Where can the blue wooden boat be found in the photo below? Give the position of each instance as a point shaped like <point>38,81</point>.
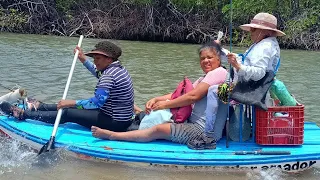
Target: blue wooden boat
<point>79,142</point>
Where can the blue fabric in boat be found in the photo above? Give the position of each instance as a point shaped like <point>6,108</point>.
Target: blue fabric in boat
<point>78,139</point>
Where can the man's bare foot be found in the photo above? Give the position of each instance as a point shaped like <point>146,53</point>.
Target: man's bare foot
<point>32,104</point>
<point>100,133</point>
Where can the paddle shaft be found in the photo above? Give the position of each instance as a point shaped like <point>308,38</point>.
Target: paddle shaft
<point>230,70</point>
<point>58,118</point>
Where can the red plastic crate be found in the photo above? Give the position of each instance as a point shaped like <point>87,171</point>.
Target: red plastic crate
<point>280,125</point>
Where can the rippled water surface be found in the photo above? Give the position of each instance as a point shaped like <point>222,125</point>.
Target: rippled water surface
<point>41,65</point>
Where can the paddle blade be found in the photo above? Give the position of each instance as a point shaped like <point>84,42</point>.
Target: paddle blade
<point>48,146</point>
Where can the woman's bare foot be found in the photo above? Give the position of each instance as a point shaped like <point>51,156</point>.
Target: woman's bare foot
<point>100,133</point>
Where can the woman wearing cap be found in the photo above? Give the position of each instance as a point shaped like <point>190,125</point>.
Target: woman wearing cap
<point>210,63</point>
<point>112,105</point>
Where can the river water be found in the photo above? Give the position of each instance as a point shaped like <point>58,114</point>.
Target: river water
<point>41,65</point>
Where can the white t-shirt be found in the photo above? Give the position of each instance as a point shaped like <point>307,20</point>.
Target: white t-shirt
<point>263,56</point>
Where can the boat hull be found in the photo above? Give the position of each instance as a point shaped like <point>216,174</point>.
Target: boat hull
<point>79,143</point>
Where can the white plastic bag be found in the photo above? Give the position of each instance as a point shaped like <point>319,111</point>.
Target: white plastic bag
<point>156,118</point>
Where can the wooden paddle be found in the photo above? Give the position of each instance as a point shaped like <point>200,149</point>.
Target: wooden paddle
<point>50,144</point>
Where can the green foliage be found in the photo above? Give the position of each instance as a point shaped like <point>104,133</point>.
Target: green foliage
<point>12,19</point>
<point>200,4</point>
<point>303,22</point>
<point>242,11</point>
<point>138,2</point>
<point>64,5</point>
<point>293,16</point>
<point>195,3</point>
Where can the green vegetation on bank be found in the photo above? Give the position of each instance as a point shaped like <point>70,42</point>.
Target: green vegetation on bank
<point>12,19</point>
<point>162,20</point>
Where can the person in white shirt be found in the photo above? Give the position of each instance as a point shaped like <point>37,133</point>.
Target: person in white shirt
<point>264,54</point>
